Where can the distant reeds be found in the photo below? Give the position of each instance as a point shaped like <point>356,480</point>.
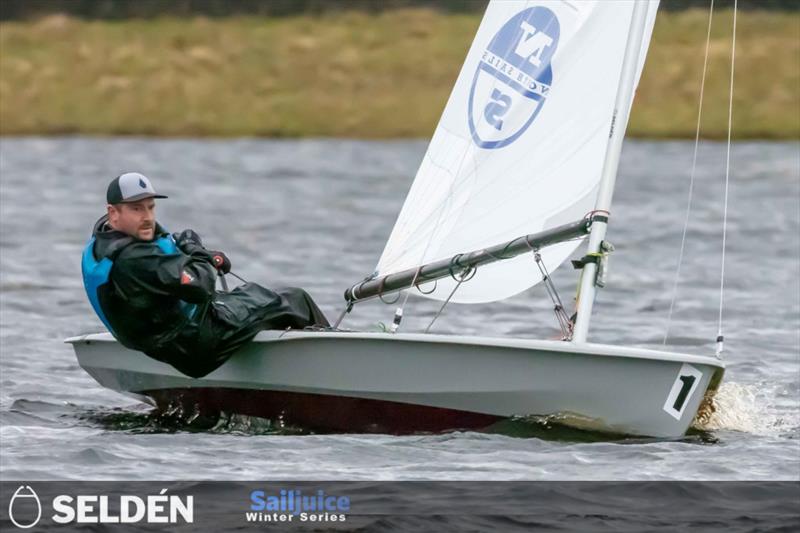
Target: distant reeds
<point>353,74</point>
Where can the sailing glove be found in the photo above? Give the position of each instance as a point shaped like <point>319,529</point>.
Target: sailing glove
<point>188,241</point>
<point>221,262</point>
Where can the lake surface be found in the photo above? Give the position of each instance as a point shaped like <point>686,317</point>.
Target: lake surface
<point>316,213</point>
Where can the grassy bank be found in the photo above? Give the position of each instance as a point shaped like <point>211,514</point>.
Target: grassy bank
<point>352,74</point>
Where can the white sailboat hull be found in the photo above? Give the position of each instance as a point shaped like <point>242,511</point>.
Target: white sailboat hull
<point>401,383</point>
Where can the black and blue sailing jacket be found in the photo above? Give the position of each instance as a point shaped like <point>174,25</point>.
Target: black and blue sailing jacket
<point>145,292</point>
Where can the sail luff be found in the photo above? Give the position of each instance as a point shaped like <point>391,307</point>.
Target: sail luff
<point>619,121</point>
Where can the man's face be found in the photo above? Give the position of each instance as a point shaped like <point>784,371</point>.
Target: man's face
<point>137,219</point>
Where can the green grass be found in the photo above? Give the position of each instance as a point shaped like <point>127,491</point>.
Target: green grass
<point>767,76</point>
<point>352,74</point>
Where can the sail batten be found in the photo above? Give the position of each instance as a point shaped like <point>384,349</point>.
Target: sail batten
<point>520,145</point>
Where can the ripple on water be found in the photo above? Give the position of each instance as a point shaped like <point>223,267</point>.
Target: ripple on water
<point>93,456</point>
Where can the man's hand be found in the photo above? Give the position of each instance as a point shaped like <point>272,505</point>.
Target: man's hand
<point>221,262</point>
<point>188,240</point>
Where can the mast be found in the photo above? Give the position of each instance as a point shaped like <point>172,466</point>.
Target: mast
<point>619,121</point>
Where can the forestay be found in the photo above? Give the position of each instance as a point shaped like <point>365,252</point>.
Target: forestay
<point>520,145</point>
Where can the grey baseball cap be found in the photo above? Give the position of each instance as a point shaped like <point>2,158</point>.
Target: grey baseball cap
<point>130,187</point>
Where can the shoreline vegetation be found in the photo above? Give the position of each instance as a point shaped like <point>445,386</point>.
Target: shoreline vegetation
<point>355,74</point>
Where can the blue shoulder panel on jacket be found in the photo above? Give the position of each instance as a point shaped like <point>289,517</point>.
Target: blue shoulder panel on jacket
<point>95,274</point>
<point>167,244</point>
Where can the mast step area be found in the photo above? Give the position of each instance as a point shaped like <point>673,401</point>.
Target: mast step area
<point>463,263</point>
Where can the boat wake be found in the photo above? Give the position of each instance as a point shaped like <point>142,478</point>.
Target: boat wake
<point>178,419</point>
<point>750,408</point>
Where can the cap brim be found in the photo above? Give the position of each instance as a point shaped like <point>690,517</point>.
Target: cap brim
<point>142,197</point>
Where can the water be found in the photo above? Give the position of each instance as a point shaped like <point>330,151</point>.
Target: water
<point>316,213</point>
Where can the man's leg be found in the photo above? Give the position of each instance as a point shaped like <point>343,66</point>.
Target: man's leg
<point>301,308</point>
<point>240,314</point>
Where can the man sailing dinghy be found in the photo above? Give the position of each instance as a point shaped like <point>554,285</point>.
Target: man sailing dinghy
<point>520,168</point>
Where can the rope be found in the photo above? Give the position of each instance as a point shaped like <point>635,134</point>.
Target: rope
<point>593,212</point>
<point>380,297</point>
<point>235,275</point>
<point>435,286</point>
<point>691,178</point>
<point>398,314</point>
<point>727,182</point>
<point>462,276</point>
<point>460,280</point>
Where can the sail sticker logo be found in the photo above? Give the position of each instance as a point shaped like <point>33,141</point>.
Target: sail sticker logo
<point>513,78</point>
<point>23,506</point>
<point>682,390</point>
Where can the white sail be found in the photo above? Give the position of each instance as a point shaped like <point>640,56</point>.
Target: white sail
<point>520,145</point>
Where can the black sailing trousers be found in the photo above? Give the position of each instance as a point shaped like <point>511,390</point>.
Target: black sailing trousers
<point>233,319</point>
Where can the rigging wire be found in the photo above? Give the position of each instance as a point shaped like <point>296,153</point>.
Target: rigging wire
<point>691,177</point>
<point>720,338</point>
<point>464,276</point>
<point>562,317</point>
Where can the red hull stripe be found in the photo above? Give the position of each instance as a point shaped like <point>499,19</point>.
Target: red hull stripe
<point>321,412</point>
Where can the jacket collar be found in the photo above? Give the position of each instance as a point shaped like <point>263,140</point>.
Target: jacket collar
<point>108,241</point>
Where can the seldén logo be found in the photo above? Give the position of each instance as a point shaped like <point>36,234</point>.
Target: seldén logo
<point>25,509</point>
<point>513,78</point>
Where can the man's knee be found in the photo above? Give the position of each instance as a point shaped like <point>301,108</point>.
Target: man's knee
<point>292,291</point>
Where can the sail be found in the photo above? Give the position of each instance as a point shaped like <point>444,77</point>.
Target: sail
<point>520,145</point>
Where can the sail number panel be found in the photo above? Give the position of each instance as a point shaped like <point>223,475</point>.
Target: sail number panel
<point>682,390</point>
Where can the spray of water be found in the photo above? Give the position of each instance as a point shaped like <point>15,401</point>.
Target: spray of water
<point>749,408</point>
